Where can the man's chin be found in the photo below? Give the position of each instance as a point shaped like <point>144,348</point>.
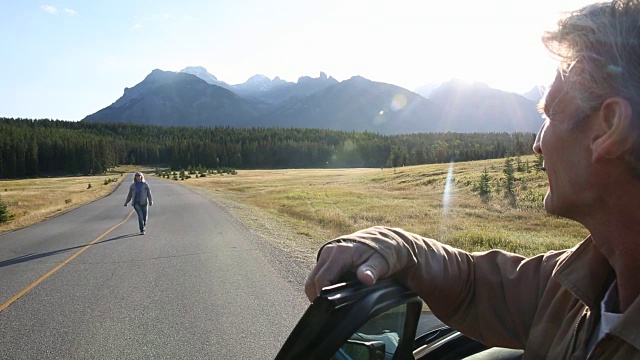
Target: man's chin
<point>548,204</point>
<point>558,209</point>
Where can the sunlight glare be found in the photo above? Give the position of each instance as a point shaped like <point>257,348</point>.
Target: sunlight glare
<point>446,199</point>
<point>448,189</point>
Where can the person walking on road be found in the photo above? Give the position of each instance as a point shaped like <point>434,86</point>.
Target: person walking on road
<point>140,193</point>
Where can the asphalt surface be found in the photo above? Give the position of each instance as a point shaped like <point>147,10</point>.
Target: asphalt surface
<point>198,285</point>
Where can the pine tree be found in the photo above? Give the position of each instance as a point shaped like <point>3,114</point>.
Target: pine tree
<point>519,165</point>
<point>484,188</point>
<point>510,178</point>
<point>391,160</point>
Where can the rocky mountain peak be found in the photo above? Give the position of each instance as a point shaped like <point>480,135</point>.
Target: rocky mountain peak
<point>200,72</point>
<point>193,97</point>
<point>322,78</point>
<point>203,74</point>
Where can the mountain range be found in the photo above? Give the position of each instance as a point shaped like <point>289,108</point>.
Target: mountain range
<point>194,97</point>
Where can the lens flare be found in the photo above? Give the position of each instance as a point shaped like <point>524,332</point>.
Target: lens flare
<point>446,199</point>
<point>448,189</point>
<point>398,102</point>
<point>380,118</point>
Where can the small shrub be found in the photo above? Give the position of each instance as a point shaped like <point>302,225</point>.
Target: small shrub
<point>5,215</point>
<point>68,201</point>
<point>538,163</point>
<point>531,200</point>
<point>89,186</point>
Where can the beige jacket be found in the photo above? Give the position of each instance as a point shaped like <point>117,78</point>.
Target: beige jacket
<point>548,305</point>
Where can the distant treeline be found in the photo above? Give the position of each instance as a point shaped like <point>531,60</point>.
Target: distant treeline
<point>31,148</point>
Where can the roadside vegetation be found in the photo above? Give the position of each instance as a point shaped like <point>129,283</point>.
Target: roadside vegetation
<point>193,171</point>
<point>476,206</point>
<point>28,201</point>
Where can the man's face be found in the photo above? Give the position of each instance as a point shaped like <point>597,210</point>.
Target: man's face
<point>563,140</point>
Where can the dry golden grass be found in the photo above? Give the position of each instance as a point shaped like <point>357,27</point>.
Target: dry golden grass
<point>316,205</point>
<point>33,200</point>
<point>320,204</point>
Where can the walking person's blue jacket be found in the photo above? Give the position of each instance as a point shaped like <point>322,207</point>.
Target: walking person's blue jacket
<point>145,195</point>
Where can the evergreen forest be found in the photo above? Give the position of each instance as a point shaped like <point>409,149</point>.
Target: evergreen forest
<point>32,148</point>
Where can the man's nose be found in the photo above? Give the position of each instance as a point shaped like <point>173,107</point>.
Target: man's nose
<point>536,144</point>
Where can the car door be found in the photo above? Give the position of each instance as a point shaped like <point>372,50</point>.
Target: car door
<point>350,318</point>
<point>351,321</point>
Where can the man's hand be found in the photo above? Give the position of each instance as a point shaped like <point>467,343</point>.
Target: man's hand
<point>340,257</point>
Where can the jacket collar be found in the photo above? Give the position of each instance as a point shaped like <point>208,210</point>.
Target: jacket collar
<point>588,275</point>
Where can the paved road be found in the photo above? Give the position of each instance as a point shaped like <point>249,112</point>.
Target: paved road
<point>197,285</point>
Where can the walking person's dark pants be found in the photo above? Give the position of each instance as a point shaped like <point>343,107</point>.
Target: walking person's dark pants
<point>141,210</point>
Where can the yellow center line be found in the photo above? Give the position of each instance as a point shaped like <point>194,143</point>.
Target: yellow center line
<point>52,271</point>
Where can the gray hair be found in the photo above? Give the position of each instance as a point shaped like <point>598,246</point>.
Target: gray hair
<point>603,41</point>
<point>141,176</point>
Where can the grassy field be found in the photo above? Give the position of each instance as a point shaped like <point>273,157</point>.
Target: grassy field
<point>302,209</point>
<point>33,200</point>
<point>320,204</point>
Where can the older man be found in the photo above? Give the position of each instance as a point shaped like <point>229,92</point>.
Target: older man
<point>577,303</point>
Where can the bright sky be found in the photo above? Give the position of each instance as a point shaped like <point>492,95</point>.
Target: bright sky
<point>66,59</point>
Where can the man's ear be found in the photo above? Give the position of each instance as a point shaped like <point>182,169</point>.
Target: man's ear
<point>615,134</point>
